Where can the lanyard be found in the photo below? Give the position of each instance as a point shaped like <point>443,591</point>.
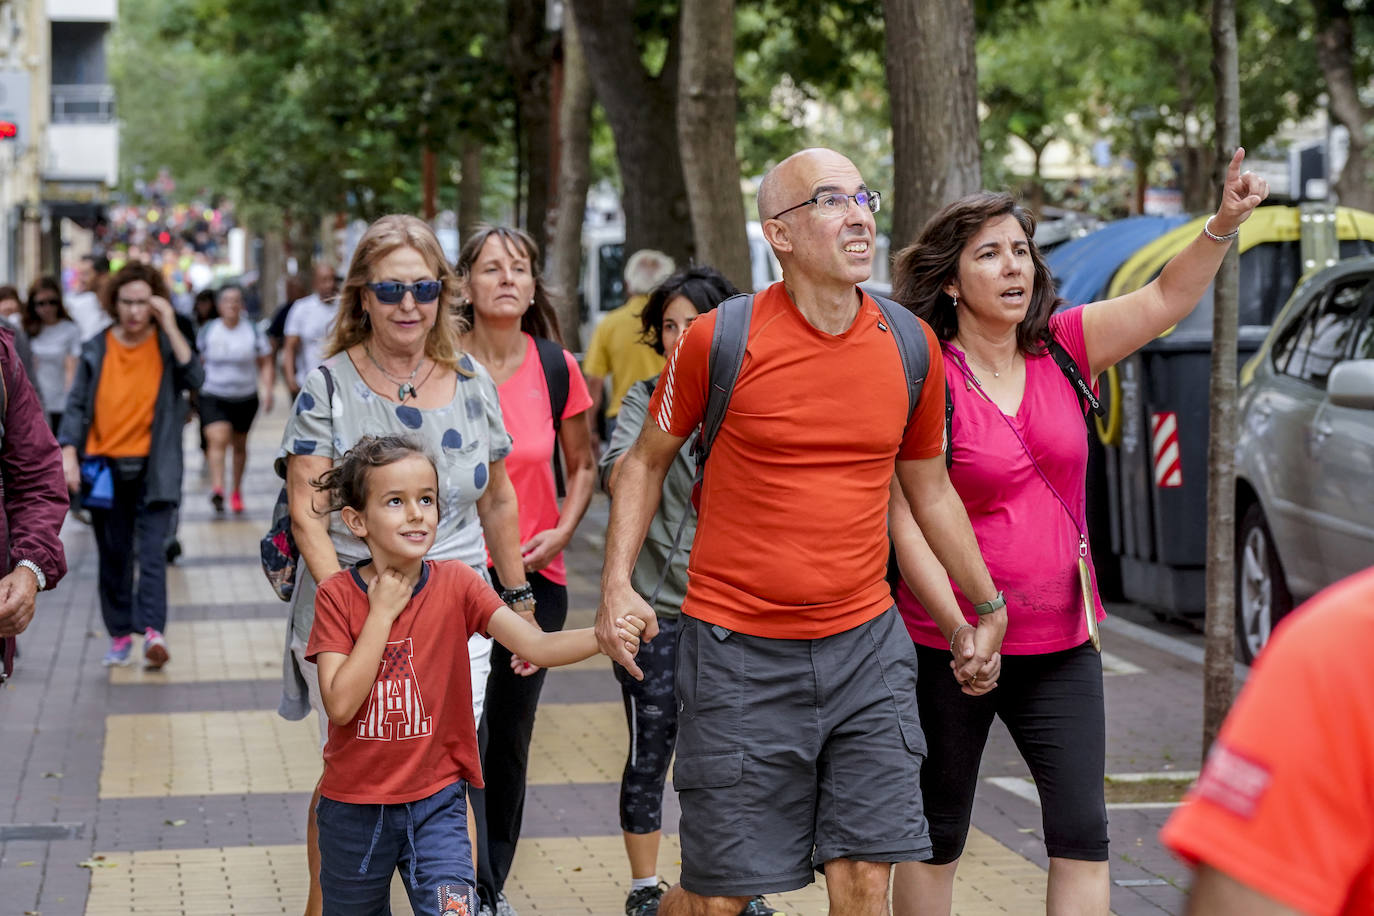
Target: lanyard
<point>968,374</point>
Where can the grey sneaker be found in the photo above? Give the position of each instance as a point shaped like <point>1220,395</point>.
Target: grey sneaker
<point>759,907</point>
<point>503,907</point>
<point>644,901</point>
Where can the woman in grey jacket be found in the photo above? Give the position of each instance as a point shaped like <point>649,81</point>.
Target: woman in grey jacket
<point>122,428</point>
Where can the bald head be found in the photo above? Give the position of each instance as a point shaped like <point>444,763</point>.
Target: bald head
<point>789,182</point>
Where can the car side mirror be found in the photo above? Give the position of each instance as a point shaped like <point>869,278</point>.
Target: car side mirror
<point>1351,384</point>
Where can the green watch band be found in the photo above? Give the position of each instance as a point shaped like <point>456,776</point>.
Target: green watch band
<point>989,607</point>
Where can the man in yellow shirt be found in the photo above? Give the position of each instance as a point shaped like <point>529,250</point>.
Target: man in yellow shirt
<point>616,349</point>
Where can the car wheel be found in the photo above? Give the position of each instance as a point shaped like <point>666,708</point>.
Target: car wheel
<point>1262,596</point>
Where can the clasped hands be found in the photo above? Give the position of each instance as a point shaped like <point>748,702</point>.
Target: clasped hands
<point>977,661</point>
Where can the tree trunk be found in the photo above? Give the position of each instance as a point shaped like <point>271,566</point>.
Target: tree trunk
<point>270,270</point>
<point>574,175</point>
<point>470,188</point>
<point>706,114</point>
<point>642,111</point>
<point>1335,54</point>
<point>429,184</point>
<point>1219,660</point>
<point>932,84</point>
<point>531,63</point>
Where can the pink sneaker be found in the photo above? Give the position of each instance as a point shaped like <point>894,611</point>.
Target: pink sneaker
<point>236,502</point>
<point>155,653</point>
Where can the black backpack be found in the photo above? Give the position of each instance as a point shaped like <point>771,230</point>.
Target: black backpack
<point>731,335</point>
<point>728,342</point>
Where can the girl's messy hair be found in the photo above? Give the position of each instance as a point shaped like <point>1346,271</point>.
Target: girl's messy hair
<point>345,484</point>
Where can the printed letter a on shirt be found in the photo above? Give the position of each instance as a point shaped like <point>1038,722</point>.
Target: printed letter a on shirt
<point>396,702</point>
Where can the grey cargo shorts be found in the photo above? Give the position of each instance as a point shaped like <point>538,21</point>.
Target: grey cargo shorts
<point>794,752</point>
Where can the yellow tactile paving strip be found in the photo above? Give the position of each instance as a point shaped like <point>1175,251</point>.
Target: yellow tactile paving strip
<point>215,650</point>
<point>551,877</point>
<point>578,743</point>
<point>242,880</point>
<point>208,753</point>
<point>230,584</point>
<point>227,537</point>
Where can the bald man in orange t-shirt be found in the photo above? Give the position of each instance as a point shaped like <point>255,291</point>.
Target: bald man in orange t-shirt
<point>799,743</point>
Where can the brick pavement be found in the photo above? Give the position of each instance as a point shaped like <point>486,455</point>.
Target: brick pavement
<point>194,792</point>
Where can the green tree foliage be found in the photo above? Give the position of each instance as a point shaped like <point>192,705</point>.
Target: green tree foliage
<point>1138,72</point>
<point>309,108</point>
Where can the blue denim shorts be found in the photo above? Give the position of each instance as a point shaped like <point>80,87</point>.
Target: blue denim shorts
<point>425,840</point>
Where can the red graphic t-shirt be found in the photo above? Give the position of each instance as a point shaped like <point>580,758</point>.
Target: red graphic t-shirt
<point>414,734</point>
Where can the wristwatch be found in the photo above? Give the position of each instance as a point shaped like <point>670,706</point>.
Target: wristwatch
<point>37,572</point>
<point>982,609</point>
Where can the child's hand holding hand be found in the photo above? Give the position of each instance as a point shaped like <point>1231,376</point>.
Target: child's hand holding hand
<point>389,594</point>
<point>627,630</point>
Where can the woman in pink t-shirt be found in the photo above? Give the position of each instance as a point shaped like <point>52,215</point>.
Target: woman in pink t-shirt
<point>509,307</point>
<point>1019,460</point>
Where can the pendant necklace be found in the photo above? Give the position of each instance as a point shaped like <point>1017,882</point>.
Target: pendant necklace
<point>406,386</point>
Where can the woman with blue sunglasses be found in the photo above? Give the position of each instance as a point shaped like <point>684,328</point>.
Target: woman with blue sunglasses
<point>393,367</point>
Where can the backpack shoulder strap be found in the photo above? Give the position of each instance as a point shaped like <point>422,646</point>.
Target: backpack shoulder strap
<point>555,377</point>
<point>556,380</point>
<point>728,342</point>
<point>911,344</point>
<point>1066,365</point>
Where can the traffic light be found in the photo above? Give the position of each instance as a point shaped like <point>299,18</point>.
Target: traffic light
<point>8,130</point>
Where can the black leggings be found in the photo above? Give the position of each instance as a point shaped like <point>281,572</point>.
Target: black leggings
<point>651,713</point>
<point>1052,705</point>
<point>506,729</point>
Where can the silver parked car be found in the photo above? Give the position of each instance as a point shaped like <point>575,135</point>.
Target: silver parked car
<point>1305,462</point>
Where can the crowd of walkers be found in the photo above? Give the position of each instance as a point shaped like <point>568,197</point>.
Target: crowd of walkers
<point>885,551</point>
<point>816,719</point>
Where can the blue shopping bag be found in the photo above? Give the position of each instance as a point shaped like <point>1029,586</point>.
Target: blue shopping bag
<point>97,484</point>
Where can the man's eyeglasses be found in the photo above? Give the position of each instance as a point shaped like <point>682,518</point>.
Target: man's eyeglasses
<point>836,204</point>
<point>390,292</point>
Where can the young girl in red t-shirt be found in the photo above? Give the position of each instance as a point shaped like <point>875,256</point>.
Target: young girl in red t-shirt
<point>390,638</point>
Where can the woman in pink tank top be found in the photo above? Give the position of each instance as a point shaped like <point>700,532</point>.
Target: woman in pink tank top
<point>1018,459</point>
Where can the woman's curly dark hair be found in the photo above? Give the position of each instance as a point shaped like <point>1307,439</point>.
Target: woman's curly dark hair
<point>345,484</point>
<point>923,268</point>
<point>703,286</point>
<point>131,273</point>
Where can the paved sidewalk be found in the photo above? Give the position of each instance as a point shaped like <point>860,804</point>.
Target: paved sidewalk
<point>182,792</point>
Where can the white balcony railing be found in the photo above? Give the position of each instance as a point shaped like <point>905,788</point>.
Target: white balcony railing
<point>91,103</point>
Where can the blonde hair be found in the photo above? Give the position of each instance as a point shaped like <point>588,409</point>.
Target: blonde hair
<point>385,235</point>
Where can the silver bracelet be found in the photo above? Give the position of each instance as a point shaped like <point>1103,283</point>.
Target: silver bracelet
<point>1229,237</point>
<point>955,635</point>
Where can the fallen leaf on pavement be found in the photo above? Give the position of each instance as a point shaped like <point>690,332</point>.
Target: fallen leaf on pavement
<point>179,822</point>
<point>95,862</point>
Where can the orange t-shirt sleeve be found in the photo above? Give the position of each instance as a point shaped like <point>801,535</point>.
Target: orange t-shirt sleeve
<point>330,632</point>
<point>679,401</point>
<point>1284,804</point>
<point>479,600</point>
<point>925,433</point>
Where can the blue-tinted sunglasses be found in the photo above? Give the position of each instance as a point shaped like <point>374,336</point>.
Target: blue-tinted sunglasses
<point>391,292</point>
